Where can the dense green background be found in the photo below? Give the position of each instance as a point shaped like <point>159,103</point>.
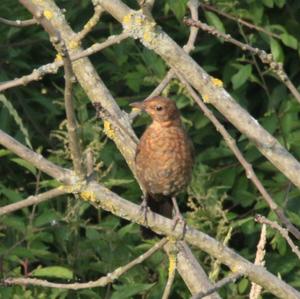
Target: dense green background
<point>86,243</point>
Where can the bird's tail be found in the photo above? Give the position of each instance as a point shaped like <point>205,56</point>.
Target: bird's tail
<point>162,206</point>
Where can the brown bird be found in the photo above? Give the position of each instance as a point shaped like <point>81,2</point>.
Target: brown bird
<point>164,157</point>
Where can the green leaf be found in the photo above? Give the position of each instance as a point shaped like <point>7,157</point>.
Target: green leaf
<point>289,40</point>
<point>178,8</point>
<point>243,285</point>
<point>127,291</point>
<point>24,164</point>
<point>4,152</point>
<point>241,76</point>
<point>54,271</point>
<point>46,218</point>
<point>14,113</point>
<point>118,182</point>
<point>214,20</point>
<point>276,50</point>
<point>268,3</point>
<point>280,3</point>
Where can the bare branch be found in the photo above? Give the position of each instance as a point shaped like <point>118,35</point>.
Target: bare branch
<point>72,125</point>
<point>18,23</point>
<point>89,162</point>
<point>229,279</point>
<point>52,68</point>
<point>188,265</point>
<point>101,282</point>
<point>283,232</point>
<point>259,260</point>
<point>172,254</point>
<point>88,27</point>
<point>275,67</point>
<point>239,20</point>
<point>32,200</point>
<point>193,6</point>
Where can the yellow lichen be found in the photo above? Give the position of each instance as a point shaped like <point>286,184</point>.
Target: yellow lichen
<point>217,82</point>
<point>48,14</point>
<point>73,44</point>
<point>172,263</point>
<point>138,20</point>
<point>108,130</point>
<point>134,109</point>
<point>88,196</point>
<point>58,57</point>
<point>127,19</point>
<point>205,98</point>
<point>147,36</point>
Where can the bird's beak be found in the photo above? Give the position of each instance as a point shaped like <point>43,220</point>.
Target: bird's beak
<point>138,105</point>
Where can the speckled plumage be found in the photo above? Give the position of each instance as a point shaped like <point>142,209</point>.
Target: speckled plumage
<point>164,156</point>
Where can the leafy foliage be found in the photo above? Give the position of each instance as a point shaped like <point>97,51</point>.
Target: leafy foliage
<point>67,240</point>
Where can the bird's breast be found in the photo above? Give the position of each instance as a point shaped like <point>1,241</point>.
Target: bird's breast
<point>164,160</point>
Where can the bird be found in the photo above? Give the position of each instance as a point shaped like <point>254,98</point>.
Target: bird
<point>163,159</point>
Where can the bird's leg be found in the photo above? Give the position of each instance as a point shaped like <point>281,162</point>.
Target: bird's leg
<point>178,217</point>
<point>144,208</point>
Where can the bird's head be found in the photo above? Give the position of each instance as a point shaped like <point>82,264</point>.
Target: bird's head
<point>160,109</point>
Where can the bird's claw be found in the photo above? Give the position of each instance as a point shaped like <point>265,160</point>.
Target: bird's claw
<point>178,219</point>
<point>144,210</point>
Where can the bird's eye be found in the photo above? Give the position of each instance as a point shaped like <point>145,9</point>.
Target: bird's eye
<point>158,108</point>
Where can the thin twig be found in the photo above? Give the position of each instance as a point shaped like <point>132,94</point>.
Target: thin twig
<point>72,125</point>
<point>172,254</point>
<point>89,162</point>
<point>239,20</point>
<point>247,166</point>
<point>18,23</point>
<point>275,67</point>
<point>221,283</point>
<point>92,22</point>
<point>284,232</point>
<point>259,260</point>
<point>101,282</point>
<point>32,200</point>
<point>52,68</point>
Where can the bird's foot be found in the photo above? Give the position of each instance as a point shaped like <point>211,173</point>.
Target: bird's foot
<point>178,218</point>
<point>144,209</point>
